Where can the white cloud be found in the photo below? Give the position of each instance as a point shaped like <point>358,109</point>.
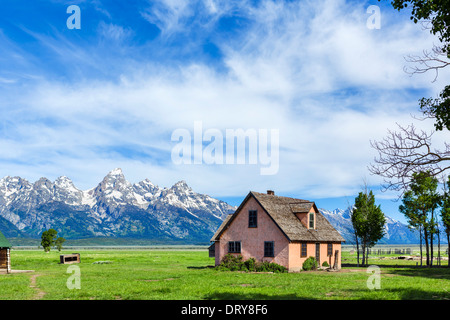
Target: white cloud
<point>168,15</point>
<point>312,70</point>
<point>114,32</point>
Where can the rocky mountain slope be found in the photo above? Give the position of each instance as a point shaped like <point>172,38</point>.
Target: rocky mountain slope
<point>114,208</point>
<point>395,231</point>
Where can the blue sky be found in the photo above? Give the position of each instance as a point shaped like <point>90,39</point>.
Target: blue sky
<point>81,102</point>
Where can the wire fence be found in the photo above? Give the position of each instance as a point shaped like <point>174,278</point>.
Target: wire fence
<point>379,252</point>
<point>392,250</point>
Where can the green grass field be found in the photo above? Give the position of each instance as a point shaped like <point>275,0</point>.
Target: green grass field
<point>187,275</point>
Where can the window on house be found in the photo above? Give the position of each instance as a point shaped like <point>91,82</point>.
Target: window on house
<point>234,247</point>
<point>269,249</point>
<point>311,220</point>
<point>330,249</point>
<point>252,218</point>
<point>303,250</point>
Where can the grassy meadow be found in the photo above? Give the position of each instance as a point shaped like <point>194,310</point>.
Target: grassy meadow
<point>188,275</point>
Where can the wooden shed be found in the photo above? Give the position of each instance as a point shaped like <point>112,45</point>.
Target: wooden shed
<point>69,258</point>
<point>5,247</point>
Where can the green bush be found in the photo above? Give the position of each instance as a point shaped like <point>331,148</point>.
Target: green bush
<point>273,267</point>
<point>235,263</point>
<point>310,264</point>
<point>325,264</point>
<point>231,262</point>
<point>269,267</point>
<point>250,264</point>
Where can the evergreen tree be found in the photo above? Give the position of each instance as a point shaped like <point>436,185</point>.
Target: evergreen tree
<point>419,204</point>
<point>445,213</point>
<point>59,243</point>
<point>368,222</point>
<point>48,239</point>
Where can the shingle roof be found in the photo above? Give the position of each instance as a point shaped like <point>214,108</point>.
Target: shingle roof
<point>4,243</point>
<point>282,211</point>
<point>222,226</point>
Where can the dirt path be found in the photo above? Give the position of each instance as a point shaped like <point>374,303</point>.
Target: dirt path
<point>39,293</point>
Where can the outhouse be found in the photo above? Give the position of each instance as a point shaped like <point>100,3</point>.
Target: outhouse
<point>5,259</point>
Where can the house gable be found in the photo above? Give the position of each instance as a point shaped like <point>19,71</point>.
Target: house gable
<point>252,240</point>
<point>287,215</point>
<point>243,209</point>
<point>282,210</point>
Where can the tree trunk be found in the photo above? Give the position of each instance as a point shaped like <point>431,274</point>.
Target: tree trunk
<point>431,244</point>
<point>431,249</point>
<point>357,250</point>
<point>367,257</point>
<point>427,248</point>
<point>448,247</point>
<point>439,249</point>
<point>421,243</point>
<point>363,255</point>
<point>364,248</point>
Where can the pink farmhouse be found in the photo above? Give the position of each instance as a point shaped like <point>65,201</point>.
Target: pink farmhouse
<point>278,229</point>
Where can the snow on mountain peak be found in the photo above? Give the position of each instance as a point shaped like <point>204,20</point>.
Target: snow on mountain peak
<point>111,199</point>
<point>181,184</point>
<point>64,182</point>
<point>12,182</point>
<point>115,172</point>
<point>114,180</point>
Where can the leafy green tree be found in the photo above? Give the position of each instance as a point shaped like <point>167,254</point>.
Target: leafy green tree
<point>48,239</point>
<point>436,12</point>
<point>354,219</point>
<point>414,217</point>
<point>436,16</point>
<point>438,108</point>
<point>59,243</point>
<point>406,151</point>
<point>368,222</point>
<point>445,213</point>
<point>419,204</point>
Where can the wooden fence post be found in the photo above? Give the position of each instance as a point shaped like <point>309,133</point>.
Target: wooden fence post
<point>336,258</point>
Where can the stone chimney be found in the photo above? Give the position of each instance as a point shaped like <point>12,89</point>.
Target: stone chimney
<point>271,192</point>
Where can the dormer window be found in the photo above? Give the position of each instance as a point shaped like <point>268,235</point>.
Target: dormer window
<point>311,220</point>
<point>252,219</point>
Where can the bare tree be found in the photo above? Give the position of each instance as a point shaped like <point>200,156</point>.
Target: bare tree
<point>403,152</point>
<point>433,60</point>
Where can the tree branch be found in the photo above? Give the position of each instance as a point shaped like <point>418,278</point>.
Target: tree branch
<point>402,153</point>
<point>435,59</point>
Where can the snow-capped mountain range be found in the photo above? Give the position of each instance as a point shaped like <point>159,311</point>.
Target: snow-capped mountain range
<point>114,208</point>
<point>395,231</point>
<point>117,208</point>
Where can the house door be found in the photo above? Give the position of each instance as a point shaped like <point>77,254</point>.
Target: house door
<point>318,253</point>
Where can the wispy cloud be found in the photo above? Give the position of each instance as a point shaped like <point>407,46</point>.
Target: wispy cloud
<point>310,69</point>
